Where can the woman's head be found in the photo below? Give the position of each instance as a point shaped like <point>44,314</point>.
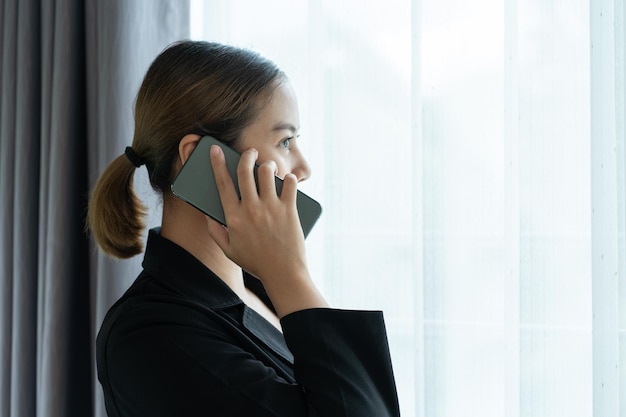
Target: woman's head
<point>197,87</point>
<point>191,87</point>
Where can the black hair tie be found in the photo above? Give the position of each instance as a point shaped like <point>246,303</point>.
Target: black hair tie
<point>133,157</point>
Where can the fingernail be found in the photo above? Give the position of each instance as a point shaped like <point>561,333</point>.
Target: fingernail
<point>215,150</point>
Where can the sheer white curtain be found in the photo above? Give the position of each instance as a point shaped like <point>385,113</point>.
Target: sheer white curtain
<point>469,155</point>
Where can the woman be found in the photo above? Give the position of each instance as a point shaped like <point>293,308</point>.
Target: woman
<point>194,334</point>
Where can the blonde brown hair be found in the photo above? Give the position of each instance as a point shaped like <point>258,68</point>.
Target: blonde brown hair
<point>191,87</point>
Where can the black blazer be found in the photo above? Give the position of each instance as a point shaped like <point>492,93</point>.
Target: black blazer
<point>181,343</point>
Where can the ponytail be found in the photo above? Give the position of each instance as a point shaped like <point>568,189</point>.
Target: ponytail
<point>115,214</point>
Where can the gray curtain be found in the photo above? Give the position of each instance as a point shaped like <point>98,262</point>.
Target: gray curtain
<point>69,73</point>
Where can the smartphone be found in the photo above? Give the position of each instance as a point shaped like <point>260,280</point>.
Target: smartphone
<point>195,184</point>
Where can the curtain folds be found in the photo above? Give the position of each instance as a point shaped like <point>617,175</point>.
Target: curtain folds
<point>122,40</point>
<point>470,159</point>
<point>608,214</point>
<point>43,247</point>
<point>69,73</point>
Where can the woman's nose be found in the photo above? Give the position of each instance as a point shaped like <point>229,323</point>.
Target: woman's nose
<point>302,169</point>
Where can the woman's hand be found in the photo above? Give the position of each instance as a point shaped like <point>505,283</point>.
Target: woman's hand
<point>263,233</point>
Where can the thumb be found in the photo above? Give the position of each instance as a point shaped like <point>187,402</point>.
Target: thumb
<point>219,233</point>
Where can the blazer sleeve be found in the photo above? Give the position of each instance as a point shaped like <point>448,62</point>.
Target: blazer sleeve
<point>182,367</point>
<point>341,359</point>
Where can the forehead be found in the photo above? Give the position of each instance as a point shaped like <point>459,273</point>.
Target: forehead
<point>280,109</point>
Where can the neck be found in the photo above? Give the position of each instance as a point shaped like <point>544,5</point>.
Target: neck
<point>188,228</point>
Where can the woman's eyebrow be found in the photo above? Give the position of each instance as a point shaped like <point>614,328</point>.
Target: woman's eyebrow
<point>285,126</point>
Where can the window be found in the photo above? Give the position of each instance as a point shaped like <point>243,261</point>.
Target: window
<point>470,159</point>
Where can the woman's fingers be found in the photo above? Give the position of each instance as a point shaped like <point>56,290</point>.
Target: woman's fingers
<point>290,189</point>
<point>223,180</point>
<point>245,175</point>
<point>267,182</point>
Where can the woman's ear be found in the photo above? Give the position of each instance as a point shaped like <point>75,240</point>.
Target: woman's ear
<point>186,146</point>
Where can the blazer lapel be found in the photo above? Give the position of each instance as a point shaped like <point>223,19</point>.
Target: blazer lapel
<point>266,334</point>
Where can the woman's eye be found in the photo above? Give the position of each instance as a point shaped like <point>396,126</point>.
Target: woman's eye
<point>285,143</point>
